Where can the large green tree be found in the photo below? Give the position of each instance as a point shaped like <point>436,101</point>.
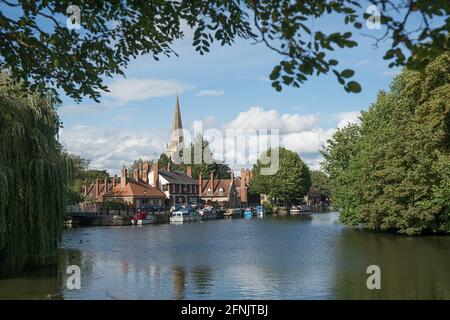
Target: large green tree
<point>393,171</point>
<point>33,179</point>
<point>41,51</point>
<point>289,184</point>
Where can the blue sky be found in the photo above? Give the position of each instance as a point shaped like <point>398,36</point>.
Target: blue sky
<point>225,88</point>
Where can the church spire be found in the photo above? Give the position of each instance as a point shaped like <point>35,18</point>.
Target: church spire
<point>177,124</point>
<point>176,142</point>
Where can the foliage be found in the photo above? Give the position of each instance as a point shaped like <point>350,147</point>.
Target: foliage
<point>204,165</point>
<point>320,181</point>
<point>137,164</point>
<point>393,171</point>
<point>289,185</point>
<point>80,174</point>
<point>41,51</point>
<point>33,178</point>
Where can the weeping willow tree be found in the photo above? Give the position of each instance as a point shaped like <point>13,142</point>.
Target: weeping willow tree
<point>33,178</point>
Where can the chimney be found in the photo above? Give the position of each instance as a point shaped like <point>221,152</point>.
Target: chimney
<point>200,184</point>
<point>146,171</point>
<point>105,189</point>
<point>136,174</point>
<point>189,171</point>
<point>123,177</point>
<point>114,181</point>
<point>97,188</point>
<point>212,181</point>
<point>156,175</point>
<point>85,187</point>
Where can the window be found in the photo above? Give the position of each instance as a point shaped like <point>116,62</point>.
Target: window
<point>165,187</point>
<point>221,191</point>
<point>209,192</point>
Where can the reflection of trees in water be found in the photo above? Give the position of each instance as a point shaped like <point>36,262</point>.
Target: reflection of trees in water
<point>411,268</point>
<point>43,283</point>
<point>202,277</point>
<point>179,281</point>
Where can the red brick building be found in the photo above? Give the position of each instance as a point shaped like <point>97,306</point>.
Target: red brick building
<point>219,192</point>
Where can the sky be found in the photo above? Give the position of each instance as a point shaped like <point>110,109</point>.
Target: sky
<point>226,88</point>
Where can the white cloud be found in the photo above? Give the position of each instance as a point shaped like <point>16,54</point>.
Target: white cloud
<point>346,118</point>
<point>137,89</point>
<point>218,92</point>
<point>109,148</point>
<point>257,118</point>
<point>306,141</point>
<point>83,109</point>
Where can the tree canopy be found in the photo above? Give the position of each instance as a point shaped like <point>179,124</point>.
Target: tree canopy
<point>392,172</point>
<point>207,163</point>
<point>33,179</point>
<point>319,180</point>
<point>42,52</point>
<point>289,184</point>
<point>80,174</point>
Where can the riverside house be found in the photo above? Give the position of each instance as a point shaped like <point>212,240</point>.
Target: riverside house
<point>136,192</point>
<point>178,187</point>
<point>219,192</point>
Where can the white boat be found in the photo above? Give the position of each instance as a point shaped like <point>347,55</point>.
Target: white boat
<point>304,208</point>
<point>208,213</point>
<point>142,218</point>
<point>300,209</point>
<point>260,211</point>
<point>184,215</point>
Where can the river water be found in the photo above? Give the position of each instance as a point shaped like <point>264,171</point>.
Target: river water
<point>268,258</point>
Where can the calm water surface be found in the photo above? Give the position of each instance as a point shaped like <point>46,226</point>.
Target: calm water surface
<point>269,258</point>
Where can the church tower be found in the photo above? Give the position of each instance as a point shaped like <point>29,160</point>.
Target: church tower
<point>176,142</point>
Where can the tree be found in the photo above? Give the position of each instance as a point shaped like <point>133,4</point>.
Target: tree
<point>33,179</point>
<point>289,185</point>
<point>137,164</point>
<point>395,174</point>
<point>207,163</point>
<point>319,180</point>
<point>80,174</point>
<point>41,51</point>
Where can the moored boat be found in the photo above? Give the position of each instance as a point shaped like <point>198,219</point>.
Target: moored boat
<point>248,213</point>
<point>184,215</point>
<point>141,218</point>
<point>260,211</point>
<point>208,213</point>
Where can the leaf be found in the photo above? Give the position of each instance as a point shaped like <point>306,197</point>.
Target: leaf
<point>347,73</point>
<point>354,87</point>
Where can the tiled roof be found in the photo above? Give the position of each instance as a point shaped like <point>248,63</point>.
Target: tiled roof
<point>135,188</point>
<point>224,184</point>
<point>177,177</point>
<point>101,188</point>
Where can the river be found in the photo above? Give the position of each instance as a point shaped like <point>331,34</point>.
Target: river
<point>268,258</point>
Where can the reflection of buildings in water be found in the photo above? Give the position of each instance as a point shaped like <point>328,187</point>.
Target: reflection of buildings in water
<point>202,277</point>
<point>179,281</point>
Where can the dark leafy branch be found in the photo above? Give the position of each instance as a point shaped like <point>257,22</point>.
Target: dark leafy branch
<point>41,52</point>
